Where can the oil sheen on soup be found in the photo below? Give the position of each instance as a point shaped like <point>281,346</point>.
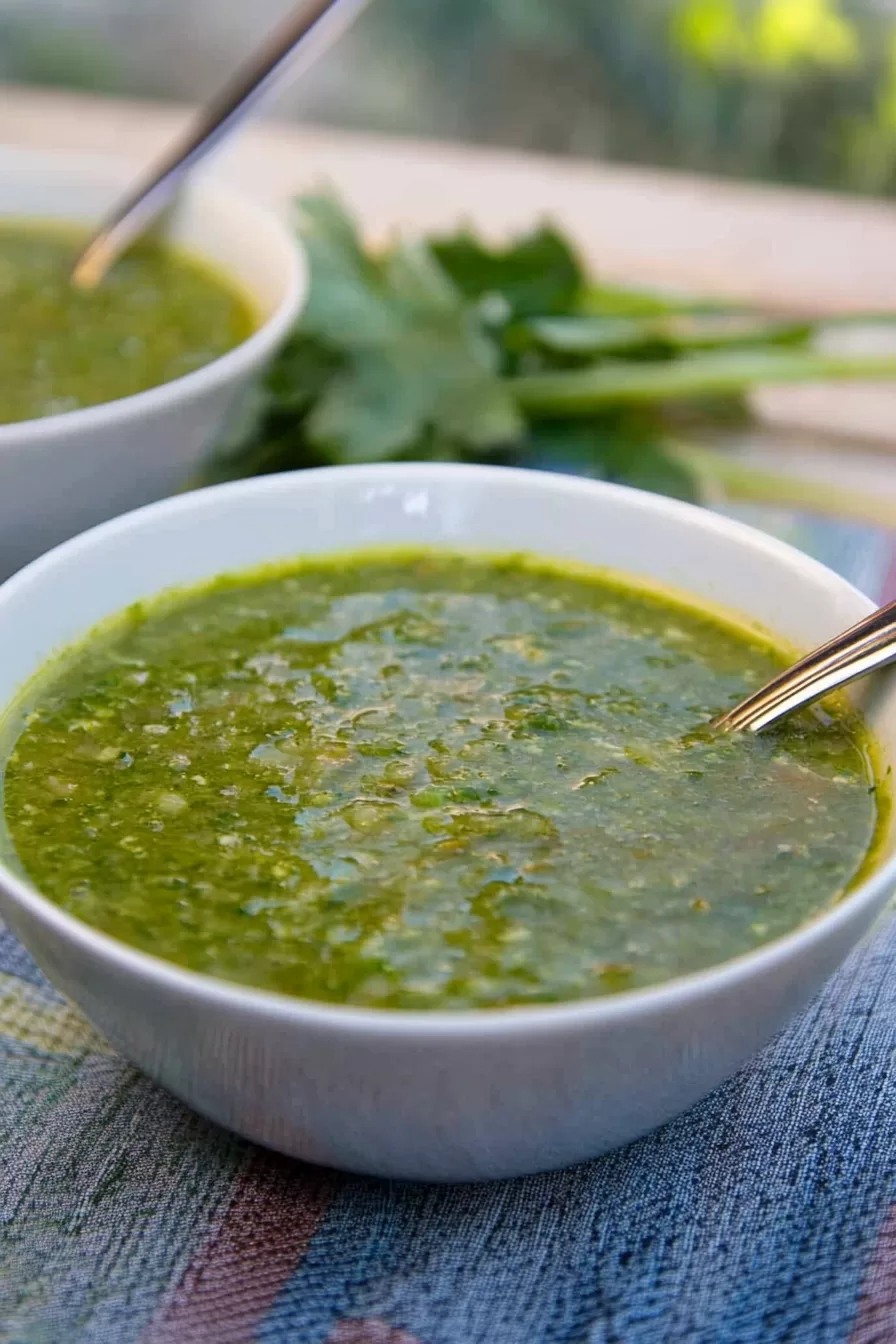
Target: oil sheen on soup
<point>431,781</point>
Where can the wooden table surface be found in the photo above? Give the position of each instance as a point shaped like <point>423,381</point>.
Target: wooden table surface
<point>778,248</point>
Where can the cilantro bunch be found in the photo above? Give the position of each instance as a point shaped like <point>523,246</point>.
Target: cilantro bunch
<point>448,350</point>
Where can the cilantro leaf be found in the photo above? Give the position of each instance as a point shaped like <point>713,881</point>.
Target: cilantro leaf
<point>346,306</point>
<point>455,351</point>
<point>415,359</point>
<point>624,452</point>
<point>648,465</point>
<point>538,276</point>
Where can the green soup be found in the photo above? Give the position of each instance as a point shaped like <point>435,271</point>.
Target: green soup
<point>156,316</point>
<point>429,781</point>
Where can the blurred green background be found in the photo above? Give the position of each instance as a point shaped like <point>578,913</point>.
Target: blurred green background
<point>799,91</point>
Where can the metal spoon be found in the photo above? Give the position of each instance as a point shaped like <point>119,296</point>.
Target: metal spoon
<point>857,651</point>
<point>307,33</point>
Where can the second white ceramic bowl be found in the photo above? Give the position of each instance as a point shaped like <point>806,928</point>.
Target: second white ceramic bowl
<point>441,1096</point>
<point>63,473</point>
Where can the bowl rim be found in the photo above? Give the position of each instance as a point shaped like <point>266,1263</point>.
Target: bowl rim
<point>225,368</point>
<point>463,1022</point>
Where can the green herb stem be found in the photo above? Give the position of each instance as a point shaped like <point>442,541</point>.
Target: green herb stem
<point>718,470</point>
<point>580,392</point>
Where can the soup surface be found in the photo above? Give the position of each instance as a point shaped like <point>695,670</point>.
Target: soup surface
<point>427,781</point>
<point>156,316</point>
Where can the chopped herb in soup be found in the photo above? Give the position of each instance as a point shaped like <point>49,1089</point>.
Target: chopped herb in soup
<point>431,781</point>
<point>157,316</point>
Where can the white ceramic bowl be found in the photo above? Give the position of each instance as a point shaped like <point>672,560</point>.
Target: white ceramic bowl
<point>66,472</point>
<point>435,1095</point>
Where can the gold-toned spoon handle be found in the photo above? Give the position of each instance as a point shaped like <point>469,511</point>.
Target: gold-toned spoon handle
<point>301,38</point>
<point>865,647</point>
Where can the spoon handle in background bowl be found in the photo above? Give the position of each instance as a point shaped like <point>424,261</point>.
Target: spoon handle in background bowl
<point>863,648</point>
<point>302,38</point>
